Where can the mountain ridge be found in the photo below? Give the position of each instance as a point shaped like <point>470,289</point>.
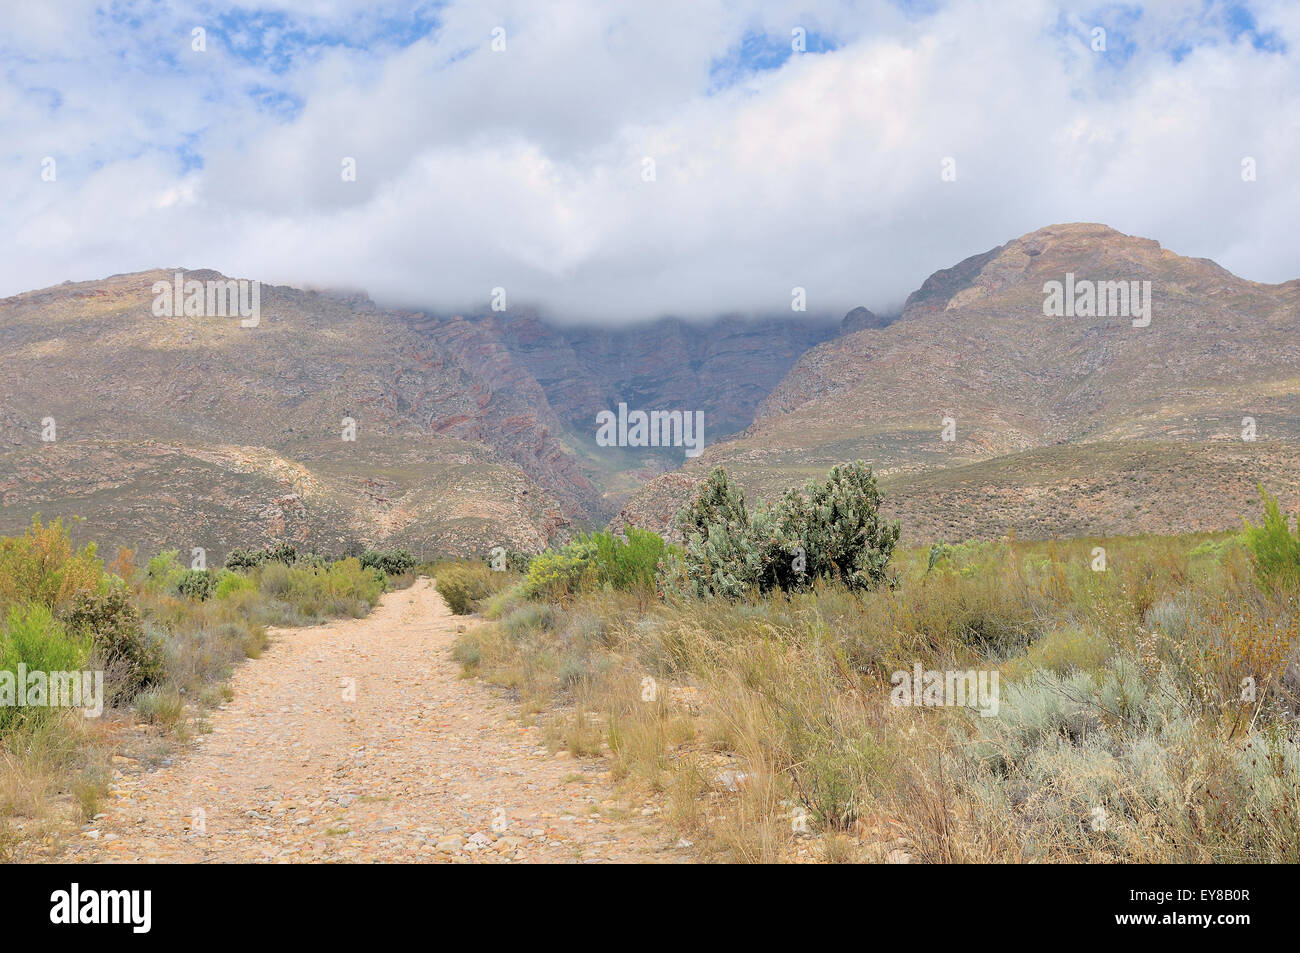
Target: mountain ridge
<point>135,395</point>
<point>478,430</point>
<point>973,346</point>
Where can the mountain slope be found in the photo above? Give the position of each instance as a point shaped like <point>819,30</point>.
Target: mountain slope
<point>470,432</point>
<point>974,347</point>
<point>723,368</point>
<point>195,431</point>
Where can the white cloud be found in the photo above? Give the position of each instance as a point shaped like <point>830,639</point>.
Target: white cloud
<point>524,168</point>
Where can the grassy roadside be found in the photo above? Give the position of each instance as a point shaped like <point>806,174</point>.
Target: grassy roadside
<point>1146,710</point>
<point>166,640</point>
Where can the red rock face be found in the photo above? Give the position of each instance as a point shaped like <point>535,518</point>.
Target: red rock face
<point>566,375</point>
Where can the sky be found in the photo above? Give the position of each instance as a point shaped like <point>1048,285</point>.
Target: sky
<point>606,162</point>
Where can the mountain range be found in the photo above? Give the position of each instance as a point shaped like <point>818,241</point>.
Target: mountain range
<point>467,431</point>
<point>981,413</point>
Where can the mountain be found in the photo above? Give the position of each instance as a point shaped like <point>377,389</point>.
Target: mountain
<point>470,432</point>
<point>723,368</point>
<point>477,430</point>
<point>860,319</point>
<point>1062,425</point>
<point>196,431</point>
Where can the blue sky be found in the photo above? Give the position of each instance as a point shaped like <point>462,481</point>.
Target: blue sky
<point>523,165</point>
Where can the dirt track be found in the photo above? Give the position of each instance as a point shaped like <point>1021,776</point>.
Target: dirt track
<point>416,765</point>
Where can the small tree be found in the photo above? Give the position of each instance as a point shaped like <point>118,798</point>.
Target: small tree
<point>196,584</point>
<point>831,530</point>
<point>723,548</point>
<point>134,659</point>
<point>242,560</point>
<point>844,534</point>
<point>785,551</point>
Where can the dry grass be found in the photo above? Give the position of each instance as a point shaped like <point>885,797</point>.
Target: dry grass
<point>770,733</point>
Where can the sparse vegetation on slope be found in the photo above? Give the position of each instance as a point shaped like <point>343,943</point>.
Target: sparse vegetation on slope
<point>979,413</point>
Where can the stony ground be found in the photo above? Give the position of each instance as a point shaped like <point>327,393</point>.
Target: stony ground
<point>358,741</point>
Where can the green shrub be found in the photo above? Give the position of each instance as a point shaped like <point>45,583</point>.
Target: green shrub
<point>939,552</point>
<point>725,551</point>
<point>629,562</point>
<point>161,707</point>
<point>284,553</point>
<point>393,562</point>
<point>164,570</point>
<point>501,559</point>
<point>311,561</point>
<point>528,619</point>
<point>196,584</point>
<point>463,585</point>
<point>233,582</point>
<point>602,559</point>
<point>838,527</point>
<point>830,530</point>
<point>1215,549</point>
<point>1275,548</point>
<point>342,588</point>
<point>242,560</point>
<point>274,579</point>
<point>133,660</point>
<point>33,637</point>
<point>559,572</point>
<point>832,773</point>
<point>468,651</point>
<point>503,600</point>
